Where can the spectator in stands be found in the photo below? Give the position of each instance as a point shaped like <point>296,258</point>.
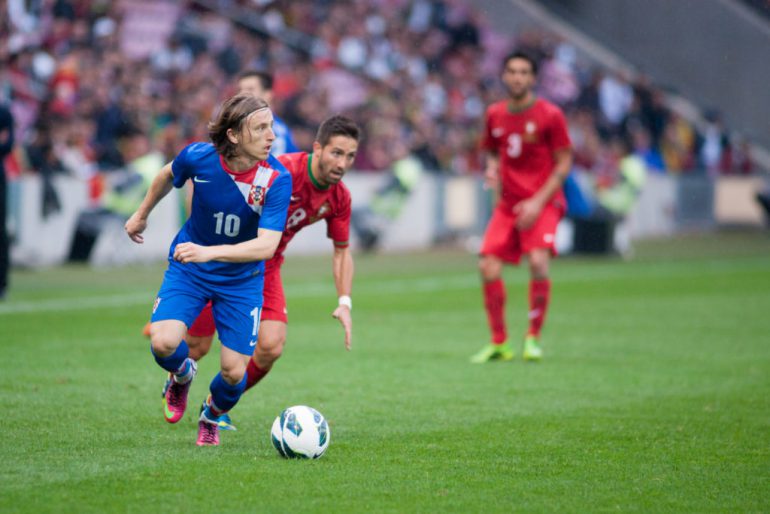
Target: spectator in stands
<point>41,157</point>
<point>615,99</point>
<point>642,147</point>
<point>714,146</point>
<point>677,144</point>
<point>420,70</point>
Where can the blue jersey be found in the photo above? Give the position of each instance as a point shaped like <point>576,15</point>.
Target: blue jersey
<point>283,142</point>
<point>228,207</point>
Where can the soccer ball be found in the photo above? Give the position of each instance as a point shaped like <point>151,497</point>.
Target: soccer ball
<point>300,432</point>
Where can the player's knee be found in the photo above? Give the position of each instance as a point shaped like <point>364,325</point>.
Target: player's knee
<point>538,264</point>
<point>272,350</point>
<point>233,374</point>
<point>489,268</point>
<point>163,343</point>
<point>539,272</point>
<point>199,346</point>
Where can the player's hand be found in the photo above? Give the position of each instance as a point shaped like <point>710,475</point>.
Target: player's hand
<point>135,226</point>
<point>491,178</point>
<point>527,211</point>
<point>190,252</point>
<point>342,313</point>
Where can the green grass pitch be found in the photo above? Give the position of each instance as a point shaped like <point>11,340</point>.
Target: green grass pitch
<point>654,395</point>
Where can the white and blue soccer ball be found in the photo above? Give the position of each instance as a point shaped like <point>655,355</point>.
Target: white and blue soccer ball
<point>300,432</point>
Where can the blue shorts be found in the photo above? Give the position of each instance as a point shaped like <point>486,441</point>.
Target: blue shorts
<point>236,306</point>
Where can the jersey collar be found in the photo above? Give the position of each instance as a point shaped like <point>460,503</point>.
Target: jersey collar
<point>523,108</point>
<point>310,174</point>
<point>244,172</point>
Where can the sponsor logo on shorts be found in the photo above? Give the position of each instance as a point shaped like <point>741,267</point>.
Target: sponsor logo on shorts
<point>252,343</point>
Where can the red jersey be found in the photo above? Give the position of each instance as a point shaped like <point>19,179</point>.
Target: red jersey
<point>310,203</point>
<point>525,141</point>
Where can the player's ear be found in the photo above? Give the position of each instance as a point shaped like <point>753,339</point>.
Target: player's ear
<point>316,147</point>
<point>232,136</point>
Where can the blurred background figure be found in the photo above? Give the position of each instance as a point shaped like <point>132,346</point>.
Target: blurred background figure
<point>122,195</point>
<point>370,221</point>
<point>6,144</point>
<point>260,84</point>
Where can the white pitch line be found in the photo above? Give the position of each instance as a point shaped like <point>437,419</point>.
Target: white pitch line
<point>431,284</point>
<point>307,290</point>
<point>76,303</point>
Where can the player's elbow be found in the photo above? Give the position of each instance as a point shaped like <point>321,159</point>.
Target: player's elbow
<point>269,254</point>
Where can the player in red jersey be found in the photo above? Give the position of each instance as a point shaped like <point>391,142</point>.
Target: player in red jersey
<point>528,157</point>
<point>317,193</point>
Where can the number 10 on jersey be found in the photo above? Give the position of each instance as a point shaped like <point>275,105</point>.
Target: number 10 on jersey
<point>230,223</point>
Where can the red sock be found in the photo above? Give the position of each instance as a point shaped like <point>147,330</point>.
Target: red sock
<point>254,374</point>
<point>494,301</point>
<point>214,410</point>
<point>539,294</point>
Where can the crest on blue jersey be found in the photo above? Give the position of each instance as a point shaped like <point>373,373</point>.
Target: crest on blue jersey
<point>256,194</point>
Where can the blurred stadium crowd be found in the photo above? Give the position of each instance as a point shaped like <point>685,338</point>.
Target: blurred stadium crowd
<point>91,91</point>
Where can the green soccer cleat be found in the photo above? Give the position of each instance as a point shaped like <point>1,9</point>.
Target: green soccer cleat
<point>532,349</point>
<point>493,352</point>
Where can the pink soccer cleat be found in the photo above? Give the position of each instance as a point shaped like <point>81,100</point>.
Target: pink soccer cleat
<point>208,428</point>
<point>175,397</point>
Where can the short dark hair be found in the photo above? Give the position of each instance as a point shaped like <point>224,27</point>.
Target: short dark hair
<point>265,79</point>
<point>520,54</point>
<point>233,114</point>
<point>337,125</point>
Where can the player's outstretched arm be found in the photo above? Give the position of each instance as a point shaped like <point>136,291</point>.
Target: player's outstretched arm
<point>160,187</point>
<point>260,248</point>
<point>343,268</point>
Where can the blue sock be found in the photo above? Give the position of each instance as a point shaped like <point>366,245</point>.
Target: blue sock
<point>174,361</point>
<point>223,395</point>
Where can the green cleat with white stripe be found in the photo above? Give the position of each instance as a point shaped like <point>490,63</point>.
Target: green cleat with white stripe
<point>532,349</point>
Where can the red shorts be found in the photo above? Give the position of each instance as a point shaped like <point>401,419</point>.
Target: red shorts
<point>502,239</point>
<point>273,305</point>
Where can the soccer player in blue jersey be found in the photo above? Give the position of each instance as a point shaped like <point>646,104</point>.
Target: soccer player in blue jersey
<point>238,215</point>
<point>260,84</point>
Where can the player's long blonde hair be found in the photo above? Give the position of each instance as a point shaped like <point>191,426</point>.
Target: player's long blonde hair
<point>234,113</point>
